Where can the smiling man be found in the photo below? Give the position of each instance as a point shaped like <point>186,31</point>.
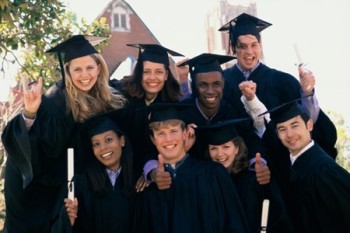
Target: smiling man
<point>272,87</point>
<point>318,188</point>
<point>201,197</point>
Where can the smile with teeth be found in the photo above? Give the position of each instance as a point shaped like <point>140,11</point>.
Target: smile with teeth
<point>222,160</point>
<point>169,146</point>
<point>106,155</point>
<point>152,84</point>
<point>249,58</point>
<point>85,82</point>
<point>210,99</point>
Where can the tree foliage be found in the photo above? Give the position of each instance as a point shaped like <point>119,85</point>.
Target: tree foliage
<point>343,142</point>
<point>29,28</point>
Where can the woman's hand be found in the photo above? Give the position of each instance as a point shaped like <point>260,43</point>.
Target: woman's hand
<point>72,209</point>
<point>32,97</point>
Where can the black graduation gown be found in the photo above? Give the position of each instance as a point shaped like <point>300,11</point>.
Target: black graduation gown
<point>36,164</point>
<point>252,195</point>
<point>319,194</point>
<point>112,212</point>
<point>226,112</point>
<point>201,199</point>
<point>273,89</point>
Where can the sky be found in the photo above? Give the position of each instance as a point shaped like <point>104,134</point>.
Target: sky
<point>319,28</point>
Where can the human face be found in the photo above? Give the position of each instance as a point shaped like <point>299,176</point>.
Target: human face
<point>210,87</point>
<point>84,72</point>
<point>170,142</point>
<point>248,51</point>
<point>153,78</point>
<point>295,134</point>
<point>224,153</point>
<point>107,148</point>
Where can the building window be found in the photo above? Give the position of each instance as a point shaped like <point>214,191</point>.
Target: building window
<point>119,21</point>
<point>120,18</point>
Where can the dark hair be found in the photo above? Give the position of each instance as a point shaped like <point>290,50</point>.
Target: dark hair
<point>305,117</point>
<point>240,162</point>
<point>234,42</point>
<point>96,171</point>
<point>131,85</point>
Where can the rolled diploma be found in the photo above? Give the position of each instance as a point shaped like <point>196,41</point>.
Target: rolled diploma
<point>300,61</point>
<point>264,215</point>
<point>70,176</point>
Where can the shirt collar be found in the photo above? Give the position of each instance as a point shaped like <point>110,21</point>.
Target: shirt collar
<point>202,113</point>
<point>293,158</point>
<point>113,175</point>
<point>246,73</point>
<point>172,168</point>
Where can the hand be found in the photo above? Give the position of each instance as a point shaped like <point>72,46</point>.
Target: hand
<point>261,170</point>
<point>32,97</point>
<point>191,136</point>
<point>307,80</point>
<point>161,177</point>
<point>182,71</point>
<point>72,209</point>
<point>248,89</point>
<point>141,184</point>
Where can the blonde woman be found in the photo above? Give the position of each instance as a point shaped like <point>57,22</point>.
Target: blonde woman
<point>37,139</point>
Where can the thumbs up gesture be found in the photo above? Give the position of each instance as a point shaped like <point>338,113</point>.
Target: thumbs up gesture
<point>262,171</point>
<point>160,176</point>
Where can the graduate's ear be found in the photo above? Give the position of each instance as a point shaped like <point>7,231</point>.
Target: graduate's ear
<point>122,140</point>
<point>310,125</point>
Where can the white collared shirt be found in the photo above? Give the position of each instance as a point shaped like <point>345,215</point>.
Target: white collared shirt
<point>294,157</point>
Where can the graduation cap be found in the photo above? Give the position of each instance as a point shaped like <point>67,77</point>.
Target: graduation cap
<point>286,111</point>
<point>167,111</point>
<point>75,47</point>
<point>220,132</point>
<point>244,24</point>
<point>103,122</point>
<point>206,62</point>
<point>154,53</point>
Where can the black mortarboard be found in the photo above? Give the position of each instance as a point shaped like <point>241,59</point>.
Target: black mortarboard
<point>166,111</point>
<point>102,123</point>
<point>206,62</point>
<point>220,132</point>
<point>285,111</point>
<point>154,53</point>
<point>244,24</point>
<point>75,47</point>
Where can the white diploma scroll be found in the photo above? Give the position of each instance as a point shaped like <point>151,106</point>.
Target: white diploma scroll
<point>70,166</point>
<point>297,53</point>
<point>264,215</point>
<point>300,60</point>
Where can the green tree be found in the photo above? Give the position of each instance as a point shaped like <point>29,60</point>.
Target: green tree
<point>29,28</point>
